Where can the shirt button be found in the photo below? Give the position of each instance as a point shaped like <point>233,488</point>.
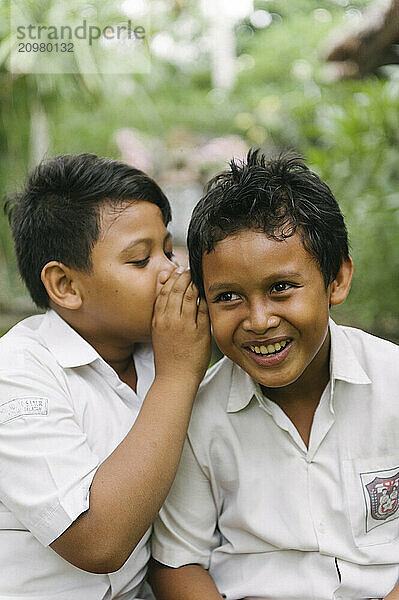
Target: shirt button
<point>322,530</point>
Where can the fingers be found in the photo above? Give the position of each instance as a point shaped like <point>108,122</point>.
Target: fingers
<point>165,286</point>
<point>170,297</point>
<point>180,328</point>
<point>179,296</point>
<point>203,313</point>
<point>195,308</point>
<point>190,301</point>
<point>178,292</point>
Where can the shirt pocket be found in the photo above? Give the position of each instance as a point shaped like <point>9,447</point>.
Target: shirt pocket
<point>372,498</point>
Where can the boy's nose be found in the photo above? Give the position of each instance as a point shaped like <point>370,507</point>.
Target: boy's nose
<point>167,268</point>
<point>168,265</point>
<point>260,319</point>
<point>164,275</point>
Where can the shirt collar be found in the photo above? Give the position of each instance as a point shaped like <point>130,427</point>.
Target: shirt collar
<point>243,388</point>
<point>67,346</point>
<point>344,365</point>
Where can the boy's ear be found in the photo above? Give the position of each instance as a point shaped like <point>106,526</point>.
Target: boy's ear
<point>60,285</point>
<point>339,288</point>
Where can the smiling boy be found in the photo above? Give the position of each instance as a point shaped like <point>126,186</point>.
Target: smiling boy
<point>292,451</point>
<point>91,430</point>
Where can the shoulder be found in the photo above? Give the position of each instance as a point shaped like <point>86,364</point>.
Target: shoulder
<point>370,343</point>
<point>215,387</point>
<point>376,355</point>
<point>25,356</point>
<point>21,341</point>
<point>210,406</point>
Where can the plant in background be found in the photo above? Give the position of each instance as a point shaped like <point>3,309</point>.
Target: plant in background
<point>348,130</point>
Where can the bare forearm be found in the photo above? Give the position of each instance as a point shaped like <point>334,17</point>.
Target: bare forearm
<point>190,582</point>
<point>130,486</point>
<point>394,595</point>
<point>132,483</point>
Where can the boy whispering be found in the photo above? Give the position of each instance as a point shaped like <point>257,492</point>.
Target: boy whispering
<point>92,417</point>
<point>288,484</point>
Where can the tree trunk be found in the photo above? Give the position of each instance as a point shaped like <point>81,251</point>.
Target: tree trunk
<point>369,45</point>
<point>39,141</point>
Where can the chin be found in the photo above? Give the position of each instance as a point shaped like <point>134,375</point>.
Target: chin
<point>277,380</point>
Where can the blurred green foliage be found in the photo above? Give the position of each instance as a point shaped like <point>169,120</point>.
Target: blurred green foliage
<point>348,131</point>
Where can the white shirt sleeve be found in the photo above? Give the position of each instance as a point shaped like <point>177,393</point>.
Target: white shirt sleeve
<point>185,530</point>
<point>46,464</point>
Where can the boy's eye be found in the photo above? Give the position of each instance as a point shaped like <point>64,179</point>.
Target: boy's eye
<point>170,255</point>
<point>227,297</point>
<point>281,286</point>
<point>139,263</point>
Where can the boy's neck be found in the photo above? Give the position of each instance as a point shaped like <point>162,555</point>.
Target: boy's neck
<point>301,393</point>
<point>310,385</point>
<point>119,358</point>
<point>126,371</point>
<point>300,399</point>
<point>118,355</point>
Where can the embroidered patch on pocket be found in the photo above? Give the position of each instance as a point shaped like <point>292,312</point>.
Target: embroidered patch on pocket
<point>381,491</point>
<point>23,407</point>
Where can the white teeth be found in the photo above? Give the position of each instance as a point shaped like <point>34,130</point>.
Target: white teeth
<point>271,348</point>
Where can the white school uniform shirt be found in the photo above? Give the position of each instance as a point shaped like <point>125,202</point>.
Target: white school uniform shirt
<point>63,410</point>
<point>273,519</point>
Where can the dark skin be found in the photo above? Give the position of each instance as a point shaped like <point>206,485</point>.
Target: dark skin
<point>262,291</point>
<point>133,294</point>
<point>259,292</point>
<point>134,249</point>
<point>300,409</point>
<point>127,372</point>
<point>190,581</point>
<point>260,301</point>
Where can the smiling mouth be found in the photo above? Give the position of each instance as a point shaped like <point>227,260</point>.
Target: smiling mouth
<point>269,349</point>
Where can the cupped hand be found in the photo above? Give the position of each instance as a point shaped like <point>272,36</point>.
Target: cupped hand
<point>181,330</point>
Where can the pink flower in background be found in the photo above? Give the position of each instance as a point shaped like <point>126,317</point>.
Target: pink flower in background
<point>221,149</point>
<point>134,151</point>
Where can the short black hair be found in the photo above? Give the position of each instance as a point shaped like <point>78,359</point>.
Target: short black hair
<point>57,215</point>
<point>278,196</point>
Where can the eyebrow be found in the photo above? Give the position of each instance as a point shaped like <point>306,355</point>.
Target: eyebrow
<point>135,243</point>
<point>219,287</point>
<point>222,286</point>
